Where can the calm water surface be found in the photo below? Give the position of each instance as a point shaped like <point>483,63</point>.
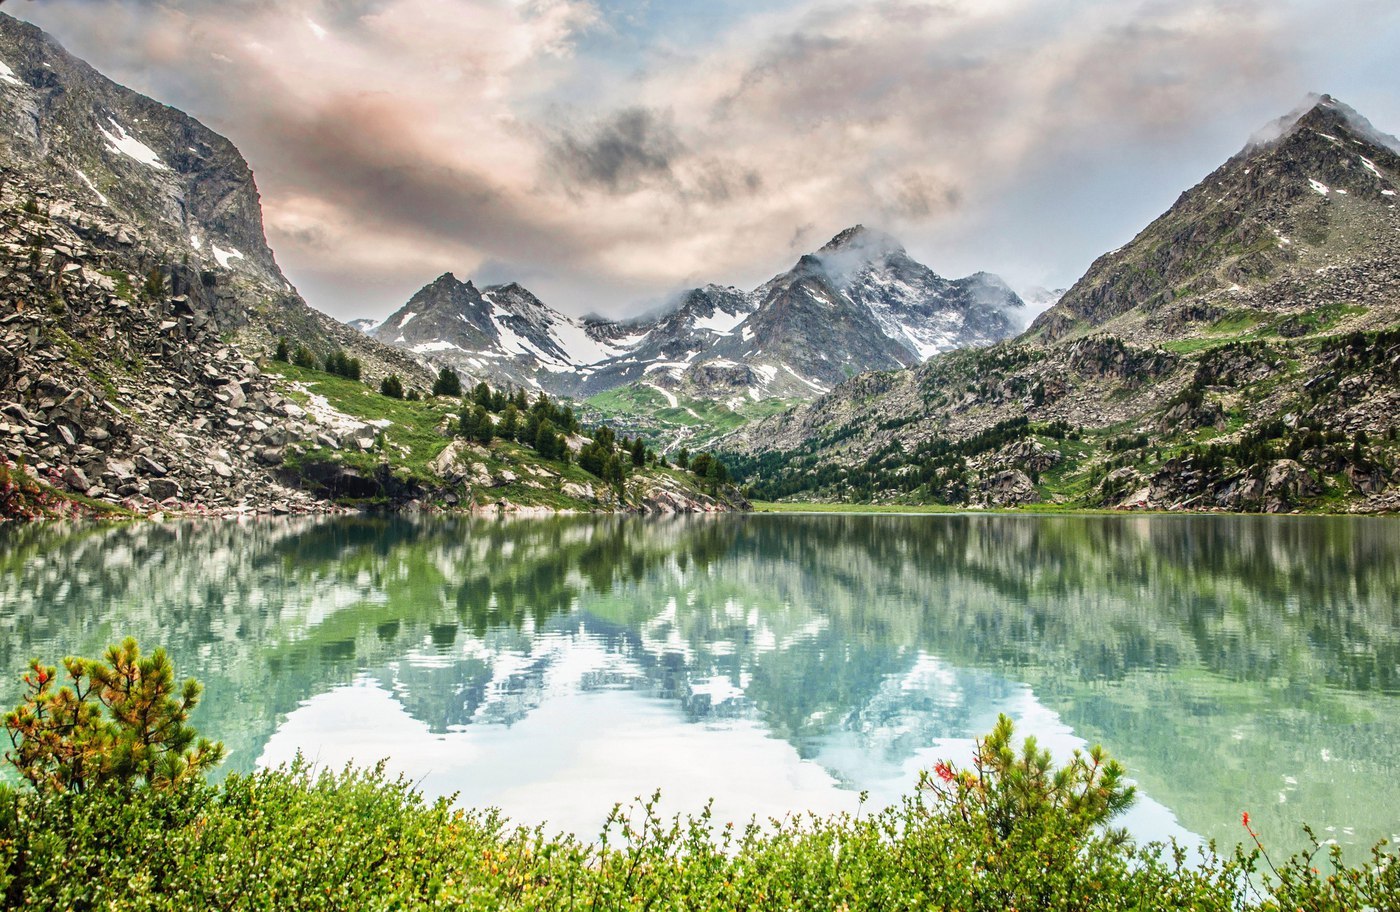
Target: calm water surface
<point>777,663</point>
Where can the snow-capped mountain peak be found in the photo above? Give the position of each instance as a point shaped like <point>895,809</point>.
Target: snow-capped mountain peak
<point>858,303</point>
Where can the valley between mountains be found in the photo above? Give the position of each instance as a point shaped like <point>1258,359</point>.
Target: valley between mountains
<point>1242,353</point>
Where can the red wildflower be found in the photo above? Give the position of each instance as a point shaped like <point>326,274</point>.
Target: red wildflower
<point>1244,818</point>
<point>43,677</point>
<point>944,771</point>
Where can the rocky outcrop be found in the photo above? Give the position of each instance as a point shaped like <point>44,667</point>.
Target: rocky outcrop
<point>137,296</point>
<point>1009,488</point>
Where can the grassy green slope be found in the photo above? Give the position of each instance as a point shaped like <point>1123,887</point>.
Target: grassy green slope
<point>409,446</point>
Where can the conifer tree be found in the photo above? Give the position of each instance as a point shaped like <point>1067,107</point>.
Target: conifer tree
<point>509,428</point>
<point>121,721</point>
<point>485,428</point>
<point>447,383</point>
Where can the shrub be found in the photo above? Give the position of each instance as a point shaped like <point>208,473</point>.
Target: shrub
<point>391,386</point>
<point>120,721</point>
<point>1009,833</point>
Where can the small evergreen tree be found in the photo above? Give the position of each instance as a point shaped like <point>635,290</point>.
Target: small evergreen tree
<point>447,383</point>
<point>546,440</point>
<point>509,428</point>
<point>154,286</point>
<point>639,453</point>
<point>466,423</point>
<point>716,474</point>
<point>485,428</point>
<point>592,457</point>
<point>122,723</point>
<point>392,386</point>
<point>304,358</point>
<point>481,395</point>
<point>283,353</point>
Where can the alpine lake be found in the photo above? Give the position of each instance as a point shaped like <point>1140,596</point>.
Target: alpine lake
<point>775,663</point>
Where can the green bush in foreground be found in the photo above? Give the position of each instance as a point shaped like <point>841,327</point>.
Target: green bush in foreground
<point>1008,833</point>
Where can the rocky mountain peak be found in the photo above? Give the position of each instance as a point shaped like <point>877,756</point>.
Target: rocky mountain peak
<point>1309,203</point>
<point>446,280</point>
<point>858,238</point>
<point>1324,115</point>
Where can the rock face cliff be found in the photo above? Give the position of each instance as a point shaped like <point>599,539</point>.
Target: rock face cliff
<point>139,305</point>
<point>859,303</point>
<point>1241,353</point>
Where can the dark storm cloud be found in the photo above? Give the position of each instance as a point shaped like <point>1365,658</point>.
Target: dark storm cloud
<point>619,153</point>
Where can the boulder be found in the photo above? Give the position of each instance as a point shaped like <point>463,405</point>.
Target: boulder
<point>162,489</point>
<point>1285,484</point>
<point>1010,488</point>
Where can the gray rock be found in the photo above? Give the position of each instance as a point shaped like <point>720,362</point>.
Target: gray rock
<point>147,466</point>
<point>160,489</point>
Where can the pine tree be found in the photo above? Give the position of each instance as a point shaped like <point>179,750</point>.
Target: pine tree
<point>466,423</point>
<point>447,383</point>
<point>546,440</point>
<point>716,474</point>
<point>485,428</point>
<point>639,453</point>
<point>509,428</point>
<point>121,722</point>
<point>392,386</point>
<point>283,353</point>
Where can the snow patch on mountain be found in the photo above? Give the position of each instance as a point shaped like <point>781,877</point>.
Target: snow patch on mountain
<point>224,257</point>
<point>123,143</point>
<point>720,322</point>
<point>88,181</point>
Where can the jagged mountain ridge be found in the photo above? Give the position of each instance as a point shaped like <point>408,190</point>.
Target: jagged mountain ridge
<point>859,303</point>
<point>1242,349</point>
<point>501,332</point>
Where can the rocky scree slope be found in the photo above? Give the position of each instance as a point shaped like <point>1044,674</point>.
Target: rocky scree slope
<point>1241,353</point>
<point>137,298</point>
<point>859,303</point>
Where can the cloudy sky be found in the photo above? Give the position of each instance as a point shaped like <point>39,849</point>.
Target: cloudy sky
<point>607,153</point>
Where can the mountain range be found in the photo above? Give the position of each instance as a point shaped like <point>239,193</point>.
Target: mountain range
<point>859,303</point>
<point>140,310</point>
<point>1240,353</point>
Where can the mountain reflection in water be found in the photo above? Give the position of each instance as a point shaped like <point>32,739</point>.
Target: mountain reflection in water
<point>776,662</point>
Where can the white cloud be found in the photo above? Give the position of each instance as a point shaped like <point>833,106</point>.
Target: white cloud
<point>394,139</point>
